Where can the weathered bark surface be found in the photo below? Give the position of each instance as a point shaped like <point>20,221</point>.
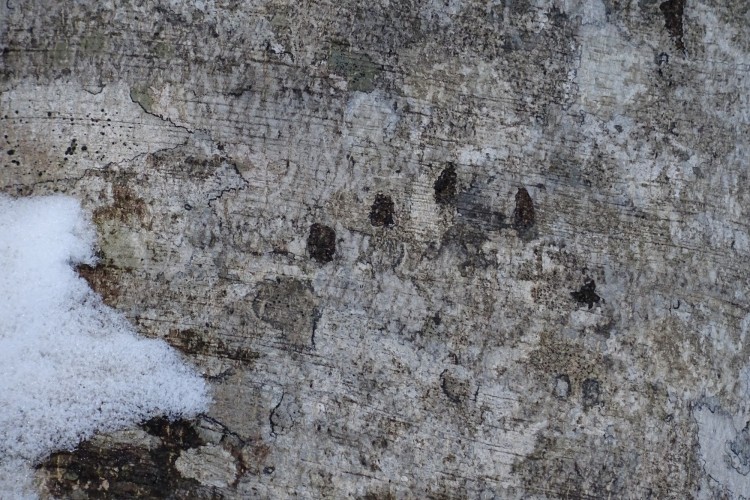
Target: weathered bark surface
<point>421,249</point>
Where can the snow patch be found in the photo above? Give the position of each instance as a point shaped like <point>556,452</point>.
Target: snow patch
<point>70,366</point>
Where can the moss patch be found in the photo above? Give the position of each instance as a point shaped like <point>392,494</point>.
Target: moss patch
<point>359,69</point>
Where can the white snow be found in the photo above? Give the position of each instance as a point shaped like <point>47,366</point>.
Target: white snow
<point>69,365</point>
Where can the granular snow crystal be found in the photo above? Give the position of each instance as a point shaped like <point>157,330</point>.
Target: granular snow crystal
<point>70,366</point>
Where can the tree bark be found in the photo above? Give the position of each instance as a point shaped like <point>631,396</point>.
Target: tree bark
<point>421,249</point>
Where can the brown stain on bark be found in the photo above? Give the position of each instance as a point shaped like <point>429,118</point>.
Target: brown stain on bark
<point>524,215</point>
<point>445,186</point>
<point>193,342</point>
<point>103,280</point>
<point>125,470</point>
<point>321,243</point>
<point>381,211</point>
<point>673,11</point>
<point>126,207</point>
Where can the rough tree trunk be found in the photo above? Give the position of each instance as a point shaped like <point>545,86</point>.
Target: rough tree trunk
<point>419,248</point>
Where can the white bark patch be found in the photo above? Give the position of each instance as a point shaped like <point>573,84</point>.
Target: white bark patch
<point>611,72</point>
<point>209,465</point>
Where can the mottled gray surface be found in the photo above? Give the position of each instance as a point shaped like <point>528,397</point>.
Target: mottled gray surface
<point>421,249</point>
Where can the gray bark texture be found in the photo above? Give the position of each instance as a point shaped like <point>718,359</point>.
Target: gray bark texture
<point>420,248</point>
